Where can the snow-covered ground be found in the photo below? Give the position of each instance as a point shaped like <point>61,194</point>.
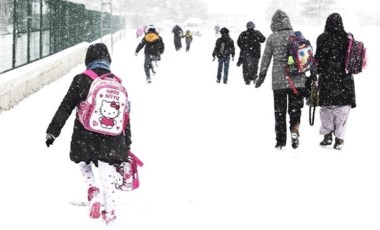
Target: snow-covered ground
<point>208,149</point>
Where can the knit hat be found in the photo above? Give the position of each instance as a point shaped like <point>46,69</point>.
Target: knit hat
<point>224,30</point>
<point>97,51</point>
<point>250,25</point>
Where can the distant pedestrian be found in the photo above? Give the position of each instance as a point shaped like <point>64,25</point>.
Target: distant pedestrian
<point>217,30</point>
<point>154,48</point>
<point>140,31</point>
<point>188,39</point>
<point>224,50</point>
<point>249,42</point>
<point>178,34</point>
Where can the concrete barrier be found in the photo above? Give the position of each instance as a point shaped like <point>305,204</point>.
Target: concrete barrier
<point>17,84</point>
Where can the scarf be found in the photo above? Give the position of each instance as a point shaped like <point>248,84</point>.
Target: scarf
<point>99,64</point>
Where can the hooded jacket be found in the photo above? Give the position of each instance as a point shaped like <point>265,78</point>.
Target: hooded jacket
<point>86,145</point>
<point>335,86</point>
<point>224,46</point>
<point>276,47</point>
<point>153,43</point>
<point>249,43</point>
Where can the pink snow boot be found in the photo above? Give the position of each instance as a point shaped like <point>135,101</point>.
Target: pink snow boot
<point>94,202</point>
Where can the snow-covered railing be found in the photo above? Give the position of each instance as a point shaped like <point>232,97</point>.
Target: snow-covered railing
<point>17,84</point>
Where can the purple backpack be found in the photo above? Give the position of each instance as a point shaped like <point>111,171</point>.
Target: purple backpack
<point>106,108</point>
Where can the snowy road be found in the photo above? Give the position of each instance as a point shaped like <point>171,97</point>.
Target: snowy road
<point>209,155</point>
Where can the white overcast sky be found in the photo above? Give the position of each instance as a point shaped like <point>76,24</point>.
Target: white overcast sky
<point>257,6</point>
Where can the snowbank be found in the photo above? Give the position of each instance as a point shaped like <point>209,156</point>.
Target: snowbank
<point>19,83</point>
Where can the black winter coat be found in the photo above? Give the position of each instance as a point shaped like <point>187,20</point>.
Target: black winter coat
<point>88,146</point>
<point>224,47</point>
<point>336,87</point>
<point>153,44</point>
<point>249,43</point>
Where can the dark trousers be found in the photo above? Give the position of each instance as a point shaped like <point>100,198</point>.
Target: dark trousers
<point>250,68</point>
<point>223,62</point>
<point>177,43</point>
<point>286,101</point>
<point>148,64</point>
<point>188,45</point>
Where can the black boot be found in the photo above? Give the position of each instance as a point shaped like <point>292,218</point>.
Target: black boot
<point>295,140</point>
<point>327,140</point>
<point>279,145</point>
<point>294,134</point>
<point>338,143</point>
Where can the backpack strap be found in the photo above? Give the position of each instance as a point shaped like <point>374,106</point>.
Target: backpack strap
<point>291,84</point>
<point>137,160</point>
<point>90,73</point>
<point>93,75</point>
<point>311,114</point>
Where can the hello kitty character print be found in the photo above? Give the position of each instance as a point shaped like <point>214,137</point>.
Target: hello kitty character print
<point>106,108</point>
<point>109,111</point>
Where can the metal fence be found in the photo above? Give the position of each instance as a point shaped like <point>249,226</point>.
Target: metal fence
<point>33,29</point>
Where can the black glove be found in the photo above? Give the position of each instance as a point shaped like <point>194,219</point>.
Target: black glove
<point>260,80</point>
<point>49,139</point>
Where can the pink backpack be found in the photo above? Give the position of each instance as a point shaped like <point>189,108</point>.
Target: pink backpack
<point>356,58</point>
<point>127,176</point>
<point>106,108</point>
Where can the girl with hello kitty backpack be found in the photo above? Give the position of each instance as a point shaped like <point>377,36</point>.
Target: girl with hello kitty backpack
<point>101,135</point>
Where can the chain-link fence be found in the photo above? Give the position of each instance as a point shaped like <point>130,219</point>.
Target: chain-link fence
<point>33,29</point>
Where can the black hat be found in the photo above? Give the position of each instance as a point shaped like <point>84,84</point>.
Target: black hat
<point>250,25</point>
<point>224,30</point>
<point>97,51</point>
<point>151,28</point>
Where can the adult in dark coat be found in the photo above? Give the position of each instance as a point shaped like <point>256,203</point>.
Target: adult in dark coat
<point>336,87</point>
<point>89,147</point>
<point>178,33</point>
<point>249,42</point>
<point>285,101</point>
<point>224,50</point>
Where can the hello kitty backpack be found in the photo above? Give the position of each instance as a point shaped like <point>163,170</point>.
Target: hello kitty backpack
<point>127,175</point>
<point>106,108</point>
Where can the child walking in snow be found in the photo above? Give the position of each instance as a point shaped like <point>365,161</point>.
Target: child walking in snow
<point>88,148</point>
<point>154,48</point>
<point>224,49</point>
<point>188,39</point>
